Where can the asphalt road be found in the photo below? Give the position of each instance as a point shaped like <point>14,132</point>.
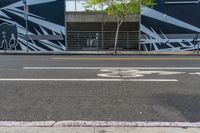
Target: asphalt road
<point>100,88</point>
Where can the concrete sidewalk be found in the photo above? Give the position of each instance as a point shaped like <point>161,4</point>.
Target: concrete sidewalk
<point>98,127</point>
<point>97,53</point>
<point>97,130</point>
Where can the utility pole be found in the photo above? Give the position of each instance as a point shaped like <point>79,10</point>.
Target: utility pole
<point>26,10</point>
<point>140,21</point>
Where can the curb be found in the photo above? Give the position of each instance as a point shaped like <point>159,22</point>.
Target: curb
<point>49,54</point>
<point>26,123</point>
<point>97,124</point>
<point>136,53</point>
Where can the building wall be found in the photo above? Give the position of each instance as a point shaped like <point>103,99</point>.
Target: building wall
<point>171,26</point>
<point>46,28</point>
<point>96,31</point>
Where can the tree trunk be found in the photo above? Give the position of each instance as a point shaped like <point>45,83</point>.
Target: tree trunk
<point>116,38</point>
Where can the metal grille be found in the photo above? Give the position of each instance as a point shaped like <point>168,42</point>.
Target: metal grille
<point>97,40</point>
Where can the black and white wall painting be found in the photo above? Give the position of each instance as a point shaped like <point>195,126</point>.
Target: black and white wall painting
<point>172,25</point>
<point>46,28</point>
<point>8,37</point>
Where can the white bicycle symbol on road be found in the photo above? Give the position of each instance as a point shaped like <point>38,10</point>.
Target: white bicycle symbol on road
<point>134,73</point>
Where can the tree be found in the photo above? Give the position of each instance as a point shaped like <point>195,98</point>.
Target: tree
<point>120,9</point>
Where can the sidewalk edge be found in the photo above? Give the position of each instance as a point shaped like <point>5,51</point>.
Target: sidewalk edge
<point>97,124</point>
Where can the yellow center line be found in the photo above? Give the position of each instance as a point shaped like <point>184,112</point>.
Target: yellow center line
<point>125,59</point>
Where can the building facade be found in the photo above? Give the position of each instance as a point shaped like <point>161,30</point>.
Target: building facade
<point>59,25</point>
<point>90,31</point>
<point>46,28</point>
<point>173,25</point>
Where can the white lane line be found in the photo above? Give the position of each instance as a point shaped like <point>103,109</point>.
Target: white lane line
<point>197,73</point>
<point>97,124</point>
<point>99,68</point>
<point>94,80</point>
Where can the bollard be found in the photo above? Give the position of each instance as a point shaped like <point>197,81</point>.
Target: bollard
<point>97,42</point>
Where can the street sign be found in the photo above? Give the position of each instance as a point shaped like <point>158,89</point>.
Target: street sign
<point>26,8</point>
<point>26,11</point>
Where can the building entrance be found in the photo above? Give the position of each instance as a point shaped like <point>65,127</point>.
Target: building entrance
<point>96,35</point>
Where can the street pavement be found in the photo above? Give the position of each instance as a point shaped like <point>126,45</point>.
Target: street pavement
<point>100,88</point>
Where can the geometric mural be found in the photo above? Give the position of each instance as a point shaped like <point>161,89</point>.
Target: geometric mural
<point>45,24</point>
<point>170,26</point>
<point>166,27</point>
